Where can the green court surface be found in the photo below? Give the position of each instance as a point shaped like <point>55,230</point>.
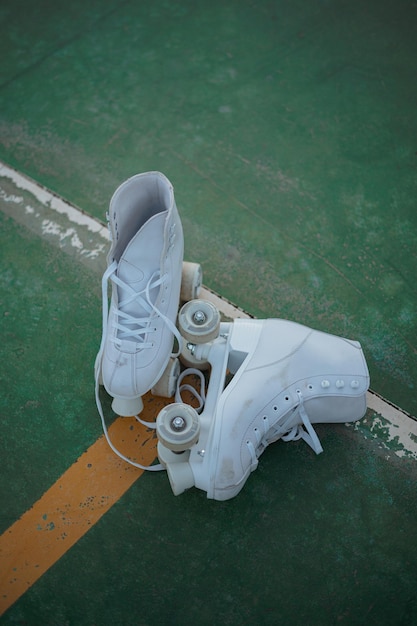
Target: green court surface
<point>288,130</point>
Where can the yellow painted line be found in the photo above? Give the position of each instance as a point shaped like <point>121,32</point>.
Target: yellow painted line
<point>78,499</point>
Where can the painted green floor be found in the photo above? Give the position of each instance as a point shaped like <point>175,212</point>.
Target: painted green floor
<point>289,132</point>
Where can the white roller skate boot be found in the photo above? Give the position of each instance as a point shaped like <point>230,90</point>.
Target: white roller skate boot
<point>145,269</point>
<point>286,377</point>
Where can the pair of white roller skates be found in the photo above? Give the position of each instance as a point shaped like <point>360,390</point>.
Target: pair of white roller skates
<point>267,379</point>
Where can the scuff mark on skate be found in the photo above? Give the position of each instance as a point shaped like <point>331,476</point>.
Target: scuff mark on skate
<point>226,473</point>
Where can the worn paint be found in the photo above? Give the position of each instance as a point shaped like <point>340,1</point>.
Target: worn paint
<point>391,427</point>
<point>48,199</point>
<point>53,218</point>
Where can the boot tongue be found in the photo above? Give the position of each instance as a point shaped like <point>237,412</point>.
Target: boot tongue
<point>139,262</point>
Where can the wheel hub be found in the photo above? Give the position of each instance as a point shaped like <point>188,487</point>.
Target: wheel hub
<point>178,423</point>
<point>199,317</point>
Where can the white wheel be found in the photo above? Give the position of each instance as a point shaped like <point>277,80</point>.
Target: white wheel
<point>166,385</point>
<point>178,426</point>
<point>188,359</point>
<point>167,457</point>
<point>199,321</point>
<point>191,280</point>
<point>180,477</point>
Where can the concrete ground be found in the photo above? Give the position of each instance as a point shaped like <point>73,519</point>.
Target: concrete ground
<point>288,131</point>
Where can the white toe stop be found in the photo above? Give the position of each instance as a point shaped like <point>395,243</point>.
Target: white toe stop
<point>127,407</point>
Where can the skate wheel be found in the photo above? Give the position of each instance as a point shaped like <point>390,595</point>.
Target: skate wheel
<point>166,456</point>
<point>178,426</point>
<point>180,477</point>
<point>166,385</point>
<point>188,359</point>
<point>192,278</point>
<point>127,407</point>
<point>199,321</point>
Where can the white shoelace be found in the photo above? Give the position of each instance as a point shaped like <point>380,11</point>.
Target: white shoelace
<point>151,468</point>
<point>200,397</point>
<point>125,320</point>
<point>303,431</point>
<point>308,434</point>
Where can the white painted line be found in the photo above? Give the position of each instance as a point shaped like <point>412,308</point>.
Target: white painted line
<point>51,217</point>
<point>402,426</point>
<point>52,201</point>
<point>227,308</point>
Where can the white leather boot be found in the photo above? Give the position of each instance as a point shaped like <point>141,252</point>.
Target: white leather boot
<point>286,377</point>
<point>144,270</point>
